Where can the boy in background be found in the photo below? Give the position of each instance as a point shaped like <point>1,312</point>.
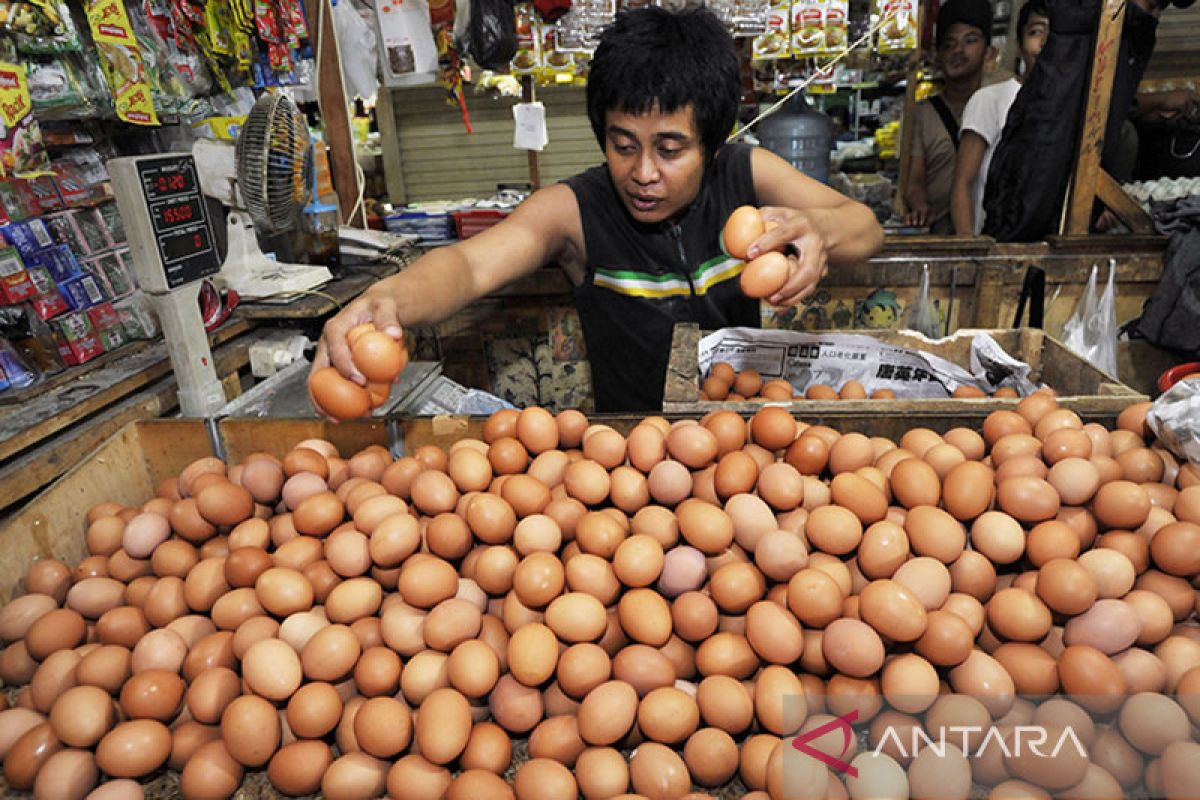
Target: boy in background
<point>963,39</point>
<point>983,122</point>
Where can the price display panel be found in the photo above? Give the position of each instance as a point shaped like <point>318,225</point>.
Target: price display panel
<point>179,219</point>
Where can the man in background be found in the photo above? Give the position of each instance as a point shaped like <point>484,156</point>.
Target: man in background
<point>963,38</point>
<point>983,122</point>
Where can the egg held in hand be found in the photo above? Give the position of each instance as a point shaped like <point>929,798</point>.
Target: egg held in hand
<point>765,275</point>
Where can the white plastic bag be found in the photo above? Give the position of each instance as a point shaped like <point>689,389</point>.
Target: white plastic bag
<point>356,43</point>
<point>921,315</point>
<point>1092,330</point>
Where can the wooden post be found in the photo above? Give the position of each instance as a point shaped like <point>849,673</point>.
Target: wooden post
<point>389,134</point>
<point>906,117</point>
<point>335,113</point>
<point>535,176</point>
<point>1082,193</point>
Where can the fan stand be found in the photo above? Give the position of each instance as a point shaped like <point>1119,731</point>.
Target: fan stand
<point>254,276</point>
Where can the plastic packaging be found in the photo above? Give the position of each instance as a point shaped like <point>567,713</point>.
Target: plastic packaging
<point>1092,330</point>
<point>921,316</point>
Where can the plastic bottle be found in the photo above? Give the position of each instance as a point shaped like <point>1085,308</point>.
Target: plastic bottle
<point>801,135</point>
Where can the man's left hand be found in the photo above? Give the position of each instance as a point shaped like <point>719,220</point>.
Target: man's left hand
<point>797,234</point>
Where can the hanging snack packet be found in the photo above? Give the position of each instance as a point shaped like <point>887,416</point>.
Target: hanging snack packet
<point>22,150</point>
<point>42,27</point>
<point>836,26</point>
<point>774,42</point>
<point>122,61</point>
<point>899,32</point>
<point>808,33</point>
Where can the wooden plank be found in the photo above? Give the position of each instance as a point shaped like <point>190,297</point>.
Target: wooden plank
<point>326,300</point>
<point>52,412</point>
<point>393,165</point>
<point>35,468</point>
<point>1082,193</point>
<point>70,374</point>
<point>1107,245</point>
<point>1121,204</point>
<point>335,115</point>
<point>125,469</point>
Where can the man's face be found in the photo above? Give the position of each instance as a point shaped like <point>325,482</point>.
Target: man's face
<point>1033,39</point>
<point>656,161</point>
<point>962,50</point>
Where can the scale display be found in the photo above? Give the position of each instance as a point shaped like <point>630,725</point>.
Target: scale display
<point>178,218</point>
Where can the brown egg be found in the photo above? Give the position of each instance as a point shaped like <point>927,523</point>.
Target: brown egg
<point>1092,677</point>
<point>967,490</point>
<point>852,647</point>
<point>443,725</point>
<point>1018,615</point>
<point>133,749</point>
<point>947,639</point>
<point>1121,504</point>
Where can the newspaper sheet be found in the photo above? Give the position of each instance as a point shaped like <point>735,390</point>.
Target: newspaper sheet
<point>806,359</point>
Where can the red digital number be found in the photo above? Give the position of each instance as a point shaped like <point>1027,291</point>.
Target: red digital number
<point>198,240</point>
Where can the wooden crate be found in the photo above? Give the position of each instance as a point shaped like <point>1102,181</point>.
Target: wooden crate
<point>1091,393</point>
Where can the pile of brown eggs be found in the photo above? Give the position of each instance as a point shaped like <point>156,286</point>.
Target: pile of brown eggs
<point>637,607</point>
<point>723,382</point>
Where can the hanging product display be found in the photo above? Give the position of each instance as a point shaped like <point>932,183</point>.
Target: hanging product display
<point>899,34</point>
<point>22,151</point>
<point>122,61</point>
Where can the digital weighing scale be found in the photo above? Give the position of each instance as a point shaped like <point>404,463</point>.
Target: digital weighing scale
<point>171,243</point>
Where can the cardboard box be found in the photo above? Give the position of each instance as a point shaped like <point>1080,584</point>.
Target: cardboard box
<point>76,338</point>
<point>82,291</point>
<point>29,237</point>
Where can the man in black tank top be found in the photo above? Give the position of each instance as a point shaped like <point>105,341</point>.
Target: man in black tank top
<point>639,236</point>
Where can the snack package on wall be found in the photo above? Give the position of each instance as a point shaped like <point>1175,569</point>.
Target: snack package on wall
<point>112,272</point>
<point>774,43</point>
<point>15,284</point>
<point>22,149</point>
<point>836,27</point>
<point>527,58</point>
<point>122,61</point>
<point>808,27</point>
<point>899,34</point>
<point>58,260</point>
<point>45,191</point>
<point>41,27</point>
<point>29,236</point>
<point>554,63</point>
<point>17,202</point>
<point>110,219</point>
<point>82,291</point>
<point>76,338</point>
<point>137,317</point>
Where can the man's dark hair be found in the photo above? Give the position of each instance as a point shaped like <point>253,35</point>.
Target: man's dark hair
<point>651,57</point>
<point>976,13</point>
<point>1038,7</point>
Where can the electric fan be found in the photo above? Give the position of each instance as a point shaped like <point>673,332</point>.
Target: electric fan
<point>273,164</point>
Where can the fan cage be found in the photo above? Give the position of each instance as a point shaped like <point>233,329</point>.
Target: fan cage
<point>274,162</point>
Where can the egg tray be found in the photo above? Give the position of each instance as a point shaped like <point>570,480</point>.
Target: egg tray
<point>1081,386</point>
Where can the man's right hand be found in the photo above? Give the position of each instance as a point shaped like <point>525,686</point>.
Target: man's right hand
<point>376,306</point>
<point>917,216</point>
